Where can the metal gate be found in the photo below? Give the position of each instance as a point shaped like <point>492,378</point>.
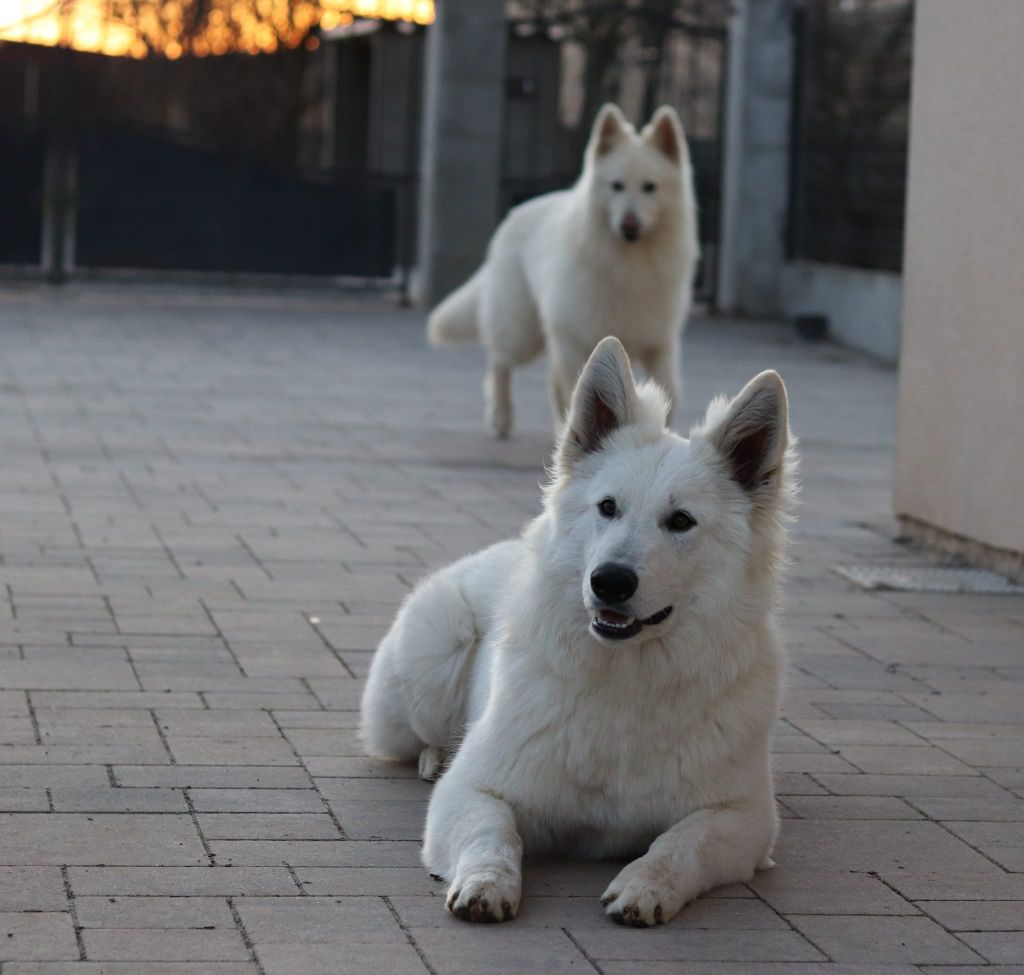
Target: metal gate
<point>638,55</point>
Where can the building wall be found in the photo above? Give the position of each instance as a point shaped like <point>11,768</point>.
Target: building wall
<point>862,306</point>
<point>960,449</point>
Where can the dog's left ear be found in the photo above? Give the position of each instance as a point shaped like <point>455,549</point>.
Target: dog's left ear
<point>604,400</point>
<point>753,434</point>
<point>665,133</point>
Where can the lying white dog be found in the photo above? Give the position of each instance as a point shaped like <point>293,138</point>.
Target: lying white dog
<point>614,255</point>
<point>608,681</point>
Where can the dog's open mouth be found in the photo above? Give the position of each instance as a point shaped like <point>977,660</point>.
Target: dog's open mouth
<point>616,626</point>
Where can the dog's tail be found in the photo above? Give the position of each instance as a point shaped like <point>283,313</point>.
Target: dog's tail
<point>456,318</point>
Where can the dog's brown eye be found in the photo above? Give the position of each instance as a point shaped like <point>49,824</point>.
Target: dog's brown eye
<point>680,521</point>
<point>608,508</point>
<point>649,187</point>
<point>618,186</point>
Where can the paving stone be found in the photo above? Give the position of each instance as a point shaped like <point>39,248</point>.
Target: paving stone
<point>49,936</point>
<point>270,826</point>
<point>912,785</point>
<point>356,959</point>
<point>319,920</point>
<point>153,912</point>
<point>256,800</point>
<point>76,838</point>
<point>761,968</point>
<point>677,943</point>
<point>360,881</point>
<point>119,800</point>
<point>208,881</point>
<point>883,940</point>
<point>255,478</point>
<point>976,915</point>
<point>314,853</point>
<point>132,968</point>
<point>179,944</point>
<point>824,891</point>
<point>209,776</point>
<point>851,807</point>
<point>997,947</point>
<point>1003,842</point>
<point>385,819</point>
<point>468,951</point>
<point>971,810</point>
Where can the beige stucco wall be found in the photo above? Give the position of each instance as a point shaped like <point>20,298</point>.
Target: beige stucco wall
<point>960,448</point>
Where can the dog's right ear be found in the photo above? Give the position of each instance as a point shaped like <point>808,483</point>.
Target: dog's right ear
<point>609,129</point>
<point>604,400</point>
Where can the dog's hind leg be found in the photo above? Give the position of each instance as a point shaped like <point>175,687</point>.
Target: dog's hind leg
<point>385,728</point>
<point>417,693</point>
<point>498,396</point>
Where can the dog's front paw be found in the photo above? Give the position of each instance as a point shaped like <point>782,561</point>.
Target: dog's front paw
<point>642,896</point>
<point>488,896</point>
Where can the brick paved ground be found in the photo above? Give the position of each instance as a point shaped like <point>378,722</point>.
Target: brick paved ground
<point>210,507</point>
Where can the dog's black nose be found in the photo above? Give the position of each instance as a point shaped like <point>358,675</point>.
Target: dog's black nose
<point>613,583</point>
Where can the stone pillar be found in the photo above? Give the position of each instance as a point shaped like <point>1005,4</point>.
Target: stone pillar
<point>460,163</point>
<point>756,169</point>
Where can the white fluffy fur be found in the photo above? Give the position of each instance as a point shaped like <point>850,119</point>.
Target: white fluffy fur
<point>559,271</point>
<point>564,742</point>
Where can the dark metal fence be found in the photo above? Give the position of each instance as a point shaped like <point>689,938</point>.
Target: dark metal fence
<point>306,161</point>
<point>850,130</point>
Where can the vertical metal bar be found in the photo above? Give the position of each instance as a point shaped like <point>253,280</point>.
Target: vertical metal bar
<point>736,38</point>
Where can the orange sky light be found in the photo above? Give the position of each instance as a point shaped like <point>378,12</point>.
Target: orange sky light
<point>135,29</point>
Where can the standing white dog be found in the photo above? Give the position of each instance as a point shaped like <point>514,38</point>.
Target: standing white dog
<point>608,681</point>
<point>614,255</point>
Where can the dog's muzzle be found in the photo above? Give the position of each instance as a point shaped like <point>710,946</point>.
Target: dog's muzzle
<point>611,625</point>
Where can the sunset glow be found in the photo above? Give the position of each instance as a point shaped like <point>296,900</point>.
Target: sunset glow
<point>139,27</point>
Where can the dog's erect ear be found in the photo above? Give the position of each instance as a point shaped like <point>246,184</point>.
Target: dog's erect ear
<point>609,130</point>
<point>665,133</point>
<point>604,400</point>
<point>753,433</point>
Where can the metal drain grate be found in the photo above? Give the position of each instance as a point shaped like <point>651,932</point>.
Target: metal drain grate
<point>926,578</point>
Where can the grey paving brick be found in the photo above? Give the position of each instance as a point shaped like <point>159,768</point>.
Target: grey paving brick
<point>356,959</point>
<point>976,915</point>
<point>207,881</point>
<point>884,940</point>
<point>319,920</point>
<point>119,800</point>
<point>46,935</point>
<point>153,912</point>
<point>464,951</point>
<point>32,889</point>
<point>132,968</point>
<point>315,853</point>
<point>76,838</point>
<point>180,944</point>
<point>267,826</point>
<point>997,947</point>
<point>358,881</point>
<point>678,943</point>
<point>242,491</point>
<point>828,891</point>
<point>231,751</point>
<point>209,777</point>
<point>256,800</point>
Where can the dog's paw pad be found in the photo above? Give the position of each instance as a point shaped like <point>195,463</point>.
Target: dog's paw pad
<point>636,899</point>
<point>485,898</point>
